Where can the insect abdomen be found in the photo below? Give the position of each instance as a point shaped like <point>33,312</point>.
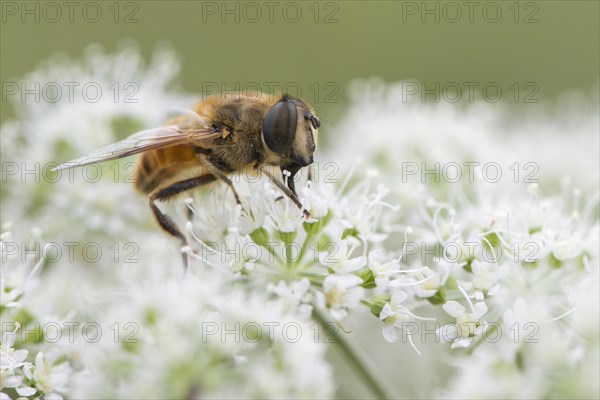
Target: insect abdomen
<point>157,167</point>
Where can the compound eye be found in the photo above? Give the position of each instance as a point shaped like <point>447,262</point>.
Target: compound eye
<point>279,127</point>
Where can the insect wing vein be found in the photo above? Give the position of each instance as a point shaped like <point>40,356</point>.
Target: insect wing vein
<point>150,139</point>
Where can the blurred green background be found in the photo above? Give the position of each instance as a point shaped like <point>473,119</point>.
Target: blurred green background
<point>554,44</point>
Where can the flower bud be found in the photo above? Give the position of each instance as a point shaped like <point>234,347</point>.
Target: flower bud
<point>439,297</point>
<point>368,279</point>
<point>378,305</point>
<point>287,237</point>
<point>260,236</point>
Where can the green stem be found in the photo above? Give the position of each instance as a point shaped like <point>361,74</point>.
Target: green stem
<point>355,360</point>
<point>288,257</point>
<point>274,254</point>
<point>307,242</point>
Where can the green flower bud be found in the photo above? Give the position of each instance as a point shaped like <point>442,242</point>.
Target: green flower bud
<point>260,236</point>
<point>368,278</point>
<point>468,266</point>
<point>439,297</point>
<point>451,283</point>
<point>287,237</point>
<point>350,232</point>
<point>310,228</point>
<point>378,304</point>
<point>313,228</point>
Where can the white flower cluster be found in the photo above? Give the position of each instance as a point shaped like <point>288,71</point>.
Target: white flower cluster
<point>47,133</point>
<point>48,372</point>
<point>504,271</point>
<point>200,337</point>
<point>154,335</point>
<point>514,269</point>
<point>328,261</point>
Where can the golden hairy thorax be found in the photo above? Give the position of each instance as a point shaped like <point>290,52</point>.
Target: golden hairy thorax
<point>238,117</point>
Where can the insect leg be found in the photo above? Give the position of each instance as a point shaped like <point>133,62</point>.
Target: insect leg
<point>293,170</point>
<point>287,192</point>
<point>164,193</point>
<point>214,170</point>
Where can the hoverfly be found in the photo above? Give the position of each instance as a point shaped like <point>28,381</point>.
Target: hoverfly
<point>221,136</point>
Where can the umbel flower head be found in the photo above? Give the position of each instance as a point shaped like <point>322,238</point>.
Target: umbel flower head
<point>155,334</point>
<point>317,262</point>
<point>204,336</point>
<point>506,273</point>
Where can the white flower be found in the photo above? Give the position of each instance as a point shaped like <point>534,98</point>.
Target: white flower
<point>382,267</point>
<point>485,279</point>
<point>360,210</point>
<point>341,293</point>
<point>468,324</point>
<point>339,259</point>
<point>567,248</point>
<point>16,274</point>
<point>49,378</point>
<point>91,210</point>
<point>11,359</point>
<point>431,283</point>
<point>294,296</point>
<point>317,203</point>
<point>286,216</point>
<point>11,364</point>
<point>237,260</point>
<point>215,219</point>
<point>254,218</point>
<point>393,315</point>
<point>204,332</point>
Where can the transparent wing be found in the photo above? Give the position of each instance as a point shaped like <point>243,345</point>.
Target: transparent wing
<point>152,139</point>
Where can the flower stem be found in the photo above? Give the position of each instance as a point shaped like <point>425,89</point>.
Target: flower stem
<point>274,254</point>
<point>289,257</point>
<point>353,357</point>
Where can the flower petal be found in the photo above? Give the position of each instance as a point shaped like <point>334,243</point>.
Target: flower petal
<point>479,309</point>
<point>465,342</point>
<point>26,391</point>
<point>386,312</point>
<point>453,308</point>
<point>389,333</point>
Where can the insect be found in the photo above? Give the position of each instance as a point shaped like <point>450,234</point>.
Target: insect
<point>221,136</point>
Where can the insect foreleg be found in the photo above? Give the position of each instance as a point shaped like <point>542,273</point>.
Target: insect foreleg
<point>287,192</point>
